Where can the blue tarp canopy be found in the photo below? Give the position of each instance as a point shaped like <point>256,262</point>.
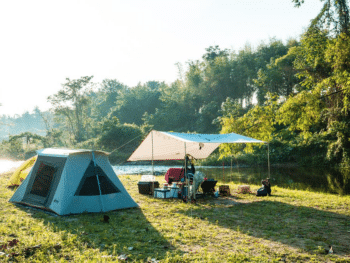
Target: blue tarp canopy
<point>159,145</point>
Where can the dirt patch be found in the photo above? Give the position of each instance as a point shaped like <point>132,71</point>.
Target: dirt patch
<point>225,201</point>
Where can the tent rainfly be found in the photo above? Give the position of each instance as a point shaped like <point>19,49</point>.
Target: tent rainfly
<point>72,182</point>
<point>159,145</point>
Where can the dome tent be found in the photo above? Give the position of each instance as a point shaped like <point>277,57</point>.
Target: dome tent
<point>72,182</point>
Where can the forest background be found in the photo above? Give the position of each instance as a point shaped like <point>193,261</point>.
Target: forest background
<point>294,95</point>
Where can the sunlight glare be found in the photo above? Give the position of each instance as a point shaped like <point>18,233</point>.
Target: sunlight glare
<point>7,164</point>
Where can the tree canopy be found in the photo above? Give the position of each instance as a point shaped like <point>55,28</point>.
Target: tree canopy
<point>294,94</point>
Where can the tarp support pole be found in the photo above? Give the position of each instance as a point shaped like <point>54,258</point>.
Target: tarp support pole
<point>98,181</point>
<point>185,174</point>
<point>268,159</point>
<point>185,162</point>
<point>152,153</point>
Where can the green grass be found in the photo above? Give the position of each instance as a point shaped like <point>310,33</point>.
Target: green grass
<point>291,225</point>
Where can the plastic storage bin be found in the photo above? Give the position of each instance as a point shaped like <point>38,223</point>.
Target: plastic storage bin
<point>146,187</point>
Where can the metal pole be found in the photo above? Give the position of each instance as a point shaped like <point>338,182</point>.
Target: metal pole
<point>186,180</point>
<point>231,170</point>
<point>268,158</point>
<point>185,163</point>
<point>152,154</point>
<point>223,171</point>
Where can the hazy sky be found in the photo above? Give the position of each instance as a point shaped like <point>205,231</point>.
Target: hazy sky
<point>44,42</point>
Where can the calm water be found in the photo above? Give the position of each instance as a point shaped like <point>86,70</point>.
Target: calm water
<point>321,180</point>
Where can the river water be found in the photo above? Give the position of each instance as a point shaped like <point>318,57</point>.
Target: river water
<point>313,179</point>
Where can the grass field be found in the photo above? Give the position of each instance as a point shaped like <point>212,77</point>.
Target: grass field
<point>290,226</point>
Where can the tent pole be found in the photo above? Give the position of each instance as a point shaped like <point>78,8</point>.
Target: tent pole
<point>231,170</point>
<point>98,181</point>
<point>185,162</point>
<point>268,158</point>
<point>152,154</point>
<point>186,180</point>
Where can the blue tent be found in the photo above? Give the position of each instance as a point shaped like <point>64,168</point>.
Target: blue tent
<point>71,182</point>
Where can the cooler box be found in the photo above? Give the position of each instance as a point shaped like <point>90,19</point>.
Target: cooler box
<point>171,192</point>
<point>175,173</point>
<point>162,193</point>
<point>146,187</point>
<point>174,192</point>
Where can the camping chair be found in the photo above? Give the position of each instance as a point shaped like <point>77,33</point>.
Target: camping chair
<point>174,174</point>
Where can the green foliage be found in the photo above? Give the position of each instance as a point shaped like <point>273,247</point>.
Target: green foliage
<point>177,110</point>
<point>310,58</point>
<point>333,15</point>
<point>71,102</point>
<point>302,91</point>
<point>258,122</point>
<point>300,113</point>
<point>121,137</point>
<point>106,97</point>
<point>132,103</point>
<point>277,76</point>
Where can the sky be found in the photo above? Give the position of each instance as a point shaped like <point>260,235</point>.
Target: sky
<point>44,42</point>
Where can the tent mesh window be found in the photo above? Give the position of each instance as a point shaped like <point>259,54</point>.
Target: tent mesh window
<point>89,184</point>
<point>43,180</point>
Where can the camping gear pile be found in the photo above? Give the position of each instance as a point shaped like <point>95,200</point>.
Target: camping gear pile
<point>265,188</point>
<point>72,182</point>
<point>160,145</point>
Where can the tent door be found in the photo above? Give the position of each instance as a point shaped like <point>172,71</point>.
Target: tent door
<point>43,183</point>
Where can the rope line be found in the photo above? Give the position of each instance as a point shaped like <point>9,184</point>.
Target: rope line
<point>128,142</point>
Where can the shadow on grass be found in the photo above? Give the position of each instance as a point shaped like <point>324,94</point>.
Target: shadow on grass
<point>300,227</point>
<point>127,233</point>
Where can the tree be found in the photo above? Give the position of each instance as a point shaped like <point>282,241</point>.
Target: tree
<point>29,138</point>
<point>132,103</point>
<point>277,75</point>
<point>334,13</point>
<point>71,102</point>
<point>106,97</point>
<point>117,136</point>
<point>213,53</point>
<point>259,122</point>
<point>177,110</point>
